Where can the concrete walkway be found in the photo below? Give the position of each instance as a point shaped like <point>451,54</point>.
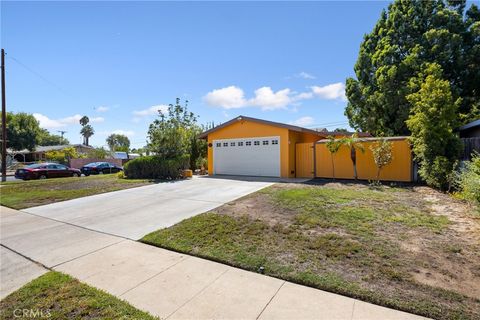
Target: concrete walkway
<point>133,213</point>
<point>165,283</point>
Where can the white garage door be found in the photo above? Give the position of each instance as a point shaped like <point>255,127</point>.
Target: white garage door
<point>248,156</point>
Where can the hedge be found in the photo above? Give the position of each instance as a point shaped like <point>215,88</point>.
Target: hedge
<point>153,167</point>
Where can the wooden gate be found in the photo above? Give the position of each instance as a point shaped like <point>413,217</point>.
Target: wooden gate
<point>304,160</point>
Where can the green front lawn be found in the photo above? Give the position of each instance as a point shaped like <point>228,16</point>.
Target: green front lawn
<point>391,247</point>
<point>58,296</point>
<point>25,194</point>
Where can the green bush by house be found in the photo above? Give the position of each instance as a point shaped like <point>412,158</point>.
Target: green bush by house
<point>467,180</point>
<point>153,167</point>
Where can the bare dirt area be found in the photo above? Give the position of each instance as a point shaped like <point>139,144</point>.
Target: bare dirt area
<point>447,258</point>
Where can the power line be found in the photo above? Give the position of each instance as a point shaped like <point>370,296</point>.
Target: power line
<point>41,77</point>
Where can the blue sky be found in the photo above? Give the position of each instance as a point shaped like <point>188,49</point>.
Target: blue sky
<point>119,62</point>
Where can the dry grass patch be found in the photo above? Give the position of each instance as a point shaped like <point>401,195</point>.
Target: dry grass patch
<point>390,246</point>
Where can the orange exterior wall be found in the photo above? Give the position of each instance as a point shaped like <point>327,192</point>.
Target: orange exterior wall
<point>250,129</point>
<point>297,137</point>
<point>400,169</point>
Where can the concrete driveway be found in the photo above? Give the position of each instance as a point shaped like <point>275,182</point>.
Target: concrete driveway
<point>133,213</point>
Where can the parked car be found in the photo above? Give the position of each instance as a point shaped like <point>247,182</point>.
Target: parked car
<point>100,168</point>
<point>46,170</point>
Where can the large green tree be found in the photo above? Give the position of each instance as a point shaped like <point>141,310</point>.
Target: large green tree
<point>118,142</point>
<point>174,134</point>
<point>22,131</point>
<point>432,119</point>
<point>409,35</point>
<point>45,138</point>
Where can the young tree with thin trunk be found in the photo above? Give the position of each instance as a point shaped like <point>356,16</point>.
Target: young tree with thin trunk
<point>354,144</point>
<point>382,154</point>
<point>333,145</point>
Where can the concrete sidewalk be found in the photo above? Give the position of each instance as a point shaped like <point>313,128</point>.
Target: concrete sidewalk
<point>165,283</point>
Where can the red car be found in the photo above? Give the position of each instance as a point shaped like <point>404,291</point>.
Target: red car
<point>46,170</point>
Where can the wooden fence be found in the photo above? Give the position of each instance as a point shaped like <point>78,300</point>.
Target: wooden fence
<point>469,146</point>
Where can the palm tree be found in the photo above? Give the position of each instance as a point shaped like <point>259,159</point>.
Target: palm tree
<point>84,121</point>
<point>354,144</point>
<point>333,145</point>
<point>87,131</point>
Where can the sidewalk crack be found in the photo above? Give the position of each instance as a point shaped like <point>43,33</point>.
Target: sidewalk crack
<point>269,301</point>
<point>198,293</point>
<point>185,257</point>
<point>353,309</point>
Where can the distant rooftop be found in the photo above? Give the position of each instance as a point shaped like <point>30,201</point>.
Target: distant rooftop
<point>48,148</point>
<point>470,125</point>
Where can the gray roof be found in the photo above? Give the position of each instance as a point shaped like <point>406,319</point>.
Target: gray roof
<point>470,125</point>
<point>48,148</point>
<point>365,139</point>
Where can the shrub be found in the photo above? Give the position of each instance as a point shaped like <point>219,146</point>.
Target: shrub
<point>382,154</point>
<point>201,163</point>
<point>62,156</point>
<point>121,175</point>
<point>467,180</point>
<point>153,167</point>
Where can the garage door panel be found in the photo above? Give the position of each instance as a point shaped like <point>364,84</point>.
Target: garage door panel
<point>247,158</point>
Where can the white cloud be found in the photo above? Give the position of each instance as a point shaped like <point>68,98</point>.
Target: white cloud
<point>228,98</point>
<point>102,109</point>
<point>303,121</point>
<point>97,119</point>
<point>127,133</point>
<point>331,91</point>
<point>233,97</point>
<point>305,75</point>
<point>303,96</point>
<point>266,99</point>
<point>153,110</point>
<point>47,123</point>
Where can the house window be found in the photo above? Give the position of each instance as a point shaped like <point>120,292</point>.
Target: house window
<point>232,144</point>
<point>218,144</point>
<point>265,142</point>
<point>240,144</point>
<point>256,143</point>
<point>274,141</point>
<point>248,143</point>
<point>225,144</point>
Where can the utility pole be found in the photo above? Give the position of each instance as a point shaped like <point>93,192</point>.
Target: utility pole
<point>4,122</point>
<point>62,133</point>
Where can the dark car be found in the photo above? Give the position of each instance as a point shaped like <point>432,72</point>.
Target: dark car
<point>46,170</point>
<point>100,168</point>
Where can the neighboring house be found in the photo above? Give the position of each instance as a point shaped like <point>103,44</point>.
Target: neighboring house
<point>470,130</point>
<point>39,153</point>
<point>133,155</point>
<point>120,155</point>
<point>470,136</point>
<point>255,147</point>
